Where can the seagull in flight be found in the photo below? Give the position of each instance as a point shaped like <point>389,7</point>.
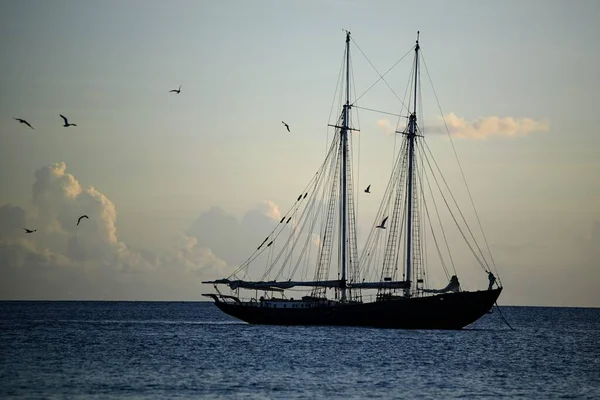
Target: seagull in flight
<point>29,230</point>
<point>368,189</point>
<point>382,225</point>
<point>80,218</point>
<point>286,125</point>
<point>176,90</point>
<point>67,124</point>
<point>24,122</point>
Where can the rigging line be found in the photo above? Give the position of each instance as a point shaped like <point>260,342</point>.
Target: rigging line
<point>452,214</point>
<point>352,151</point>
<point>372,244</point>
<point>402,238</point>
<point>258,252</point>
<point>378,111</point>
<point>400,194</point>
<point>422,170</point>
<point>304,273</point>
<point>295,242</point>
<point>337,84</point>
<point>429,219</point>
<point>465,182</point>
<point>315,214</point>
<point>293,229</point>
<point>324,258</point>
<point>306,210</point>
<point>437,211</point>
<point>502,316</point>
<point>382,207</point>
<point>409,93</point>
<point>457,207</point>
<point>461,169</point>
<point>389,190</point>
<point>316,178</point>
<point>381,76</point>
<point>456,222</point>
<point>392,233</point>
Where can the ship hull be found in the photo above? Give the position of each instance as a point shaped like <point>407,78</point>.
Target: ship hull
<point>444,311</point>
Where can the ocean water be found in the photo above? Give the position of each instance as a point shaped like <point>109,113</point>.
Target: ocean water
<point>175,350</point>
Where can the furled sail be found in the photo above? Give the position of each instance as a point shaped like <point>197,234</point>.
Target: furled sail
<point>274,285</point>
<point>282,285</point>
<point>453,286</point>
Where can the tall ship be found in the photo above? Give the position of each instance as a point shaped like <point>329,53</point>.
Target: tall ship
<point>289,279</point>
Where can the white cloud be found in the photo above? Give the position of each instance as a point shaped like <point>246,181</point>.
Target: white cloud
<point>63,260</point>
<point>195,258</point>
<point>231,239</point>
<point>270,209</point>
<point>484,127</point>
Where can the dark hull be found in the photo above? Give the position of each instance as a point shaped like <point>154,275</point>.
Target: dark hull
<point>444,311</point>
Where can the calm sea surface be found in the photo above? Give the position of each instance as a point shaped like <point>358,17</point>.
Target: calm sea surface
<point>192,350</point>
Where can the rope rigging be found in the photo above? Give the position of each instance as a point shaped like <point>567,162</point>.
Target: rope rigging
<point>381,77</point>
<point>383,247</point>
<point>462,172</point>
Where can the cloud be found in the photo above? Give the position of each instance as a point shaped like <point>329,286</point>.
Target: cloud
<point>386,126</point>
<point>195,258</point>
<point>485,127</point>
<point>270,209</point>
<point>231,239</point>
<point>89,261</point>
<point>12,220</point>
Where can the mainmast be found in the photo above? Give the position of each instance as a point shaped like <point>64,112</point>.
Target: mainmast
<point>343,177</point>
<point>412,128</point>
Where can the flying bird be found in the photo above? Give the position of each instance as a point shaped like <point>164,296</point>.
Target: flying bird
<point>286,125</point>
<point>29,230</point>
<point>67,124</point>
<point>176,90</point>
<point>24,122</point>
<point>382,225</point>
<point>80,218</point>
<point>368,189</point>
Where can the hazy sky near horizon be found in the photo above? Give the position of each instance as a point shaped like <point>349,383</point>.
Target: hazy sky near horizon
<point>182,186</point>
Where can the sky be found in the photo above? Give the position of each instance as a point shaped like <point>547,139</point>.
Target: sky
<point>179,188</point>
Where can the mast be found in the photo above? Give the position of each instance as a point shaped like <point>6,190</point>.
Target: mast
<point>412,127</point>
<point>343,177</point>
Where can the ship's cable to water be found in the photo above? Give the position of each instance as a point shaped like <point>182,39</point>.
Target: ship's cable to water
<point>502,316</point>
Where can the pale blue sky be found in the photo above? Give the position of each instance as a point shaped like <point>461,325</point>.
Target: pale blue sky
<point>164,159</point>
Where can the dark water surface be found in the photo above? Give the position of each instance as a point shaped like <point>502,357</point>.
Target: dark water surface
<point>192,350</point>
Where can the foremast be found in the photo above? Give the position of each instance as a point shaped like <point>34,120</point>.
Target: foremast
<point>412,133</point>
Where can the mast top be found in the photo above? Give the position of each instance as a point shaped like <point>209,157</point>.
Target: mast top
<point>347,34</point>
<point>417,41</point>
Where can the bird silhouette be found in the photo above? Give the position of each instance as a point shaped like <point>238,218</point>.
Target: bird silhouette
<point>176,90</point>
<point>80,218</point>
<point>67,124</point>
<point>29,230</point>
<point>286,125</point>
<point>382,225</point>
<point>24,122</point>
<point>368,189</point>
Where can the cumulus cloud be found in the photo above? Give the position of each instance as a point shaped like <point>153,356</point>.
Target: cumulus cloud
<point>231,239</point>
<point>484,127</point>
<point>270,209</point>
<point>62,259</point>
<point>195,258</point>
